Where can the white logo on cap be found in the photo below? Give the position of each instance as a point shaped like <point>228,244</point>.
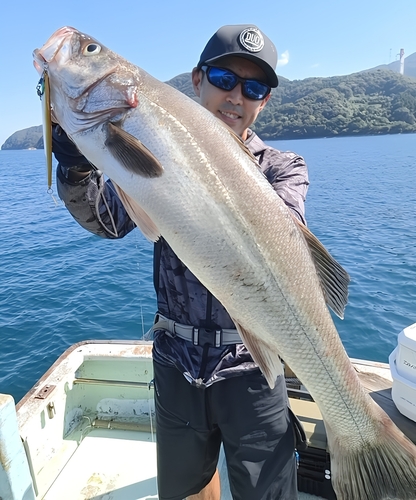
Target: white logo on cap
<point>252,40</point>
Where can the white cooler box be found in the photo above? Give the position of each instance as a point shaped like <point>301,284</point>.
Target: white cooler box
<point>403,371</point>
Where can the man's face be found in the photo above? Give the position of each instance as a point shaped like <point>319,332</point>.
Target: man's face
<point>237,111</point>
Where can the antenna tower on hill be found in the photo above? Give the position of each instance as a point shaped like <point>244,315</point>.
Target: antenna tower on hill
<point>402,61</point>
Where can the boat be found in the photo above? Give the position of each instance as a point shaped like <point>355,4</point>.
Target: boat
<point>86,430</point>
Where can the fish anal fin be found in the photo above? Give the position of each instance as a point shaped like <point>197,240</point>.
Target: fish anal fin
<point>131,153</point>
<point>334,278</point>
<point>138,215</point>
<point>265,355</point>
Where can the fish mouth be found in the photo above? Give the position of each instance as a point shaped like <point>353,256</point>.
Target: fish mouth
<point>53,46</point>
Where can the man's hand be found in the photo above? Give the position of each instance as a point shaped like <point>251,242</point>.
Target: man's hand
<point>73,164</point>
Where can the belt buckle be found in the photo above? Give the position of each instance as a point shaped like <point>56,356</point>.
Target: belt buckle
<point>203,336</point>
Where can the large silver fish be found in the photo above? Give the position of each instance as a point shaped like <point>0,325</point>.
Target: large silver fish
<point>182,174</point>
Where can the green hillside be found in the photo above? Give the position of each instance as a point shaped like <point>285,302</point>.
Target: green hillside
<point>368,103</point>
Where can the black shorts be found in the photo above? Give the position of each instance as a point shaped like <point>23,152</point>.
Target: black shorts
<point>249,418</point>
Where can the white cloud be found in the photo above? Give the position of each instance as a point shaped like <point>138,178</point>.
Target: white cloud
<point>283,58</point>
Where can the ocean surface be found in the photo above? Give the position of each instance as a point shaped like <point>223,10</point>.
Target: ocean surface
<point>60,285</point>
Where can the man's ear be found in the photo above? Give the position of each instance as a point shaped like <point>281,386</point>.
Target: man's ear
<point>197,75</point>
<point>264,102</point>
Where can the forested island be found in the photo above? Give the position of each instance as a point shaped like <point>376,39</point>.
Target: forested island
<point>378,101</point>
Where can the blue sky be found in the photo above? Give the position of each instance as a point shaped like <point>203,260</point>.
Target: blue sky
<point>313,38</point>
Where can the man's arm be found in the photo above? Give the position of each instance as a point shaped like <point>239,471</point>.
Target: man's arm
<point>92,202</point>
<point>288,174</point>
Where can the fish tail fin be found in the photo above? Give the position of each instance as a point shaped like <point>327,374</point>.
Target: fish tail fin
<point>377,471</point>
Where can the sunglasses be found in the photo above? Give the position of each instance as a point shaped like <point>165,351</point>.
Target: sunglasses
<point>227,80</point>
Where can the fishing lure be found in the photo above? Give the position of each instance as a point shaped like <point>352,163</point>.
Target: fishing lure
<point>43,91</point>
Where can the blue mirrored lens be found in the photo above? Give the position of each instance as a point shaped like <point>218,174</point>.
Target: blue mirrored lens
<point>255,90</point>
<point>222,79</point>
<point>227,80</point>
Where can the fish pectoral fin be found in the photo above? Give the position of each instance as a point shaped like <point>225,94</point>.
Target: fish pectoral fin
<point>138,215</point>
<point>334,278</point>
<point>264,354</point>
<point>131,153</point>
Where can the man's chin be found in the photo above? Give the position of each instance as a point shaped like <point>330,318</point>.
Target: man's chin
<point>234,125</point>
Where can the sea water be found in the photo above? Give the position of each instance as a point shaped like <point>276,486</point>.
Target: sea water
<point>60,284</point>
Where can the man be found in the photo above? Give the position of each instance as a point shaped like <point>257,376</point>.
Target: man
<point>207,391</point>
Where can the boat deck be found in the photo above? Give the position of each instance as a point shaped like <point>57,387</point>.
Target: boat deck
<point>94,472</point>
<point>87,427</point>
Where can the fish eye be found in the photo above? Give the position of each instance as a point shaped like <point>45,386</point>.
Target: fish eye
<point>91,49</point>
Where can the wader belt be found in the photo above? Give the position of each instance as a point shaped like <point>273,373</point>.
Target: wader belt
<point>198,336</point>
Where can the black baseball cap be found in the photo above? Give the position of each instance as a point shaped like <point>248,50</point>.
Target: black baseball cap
<point>243,40</point>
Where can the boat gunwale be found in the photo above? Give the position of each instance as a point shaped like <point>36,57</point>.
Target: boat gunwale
<point>43,380</point>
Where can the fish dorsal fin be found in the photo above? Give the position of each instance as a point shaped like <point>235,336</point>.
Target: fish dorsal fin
<point>138,215</point>
<point>131,153</point>
<point>265,355</point>
<point>334,278</point>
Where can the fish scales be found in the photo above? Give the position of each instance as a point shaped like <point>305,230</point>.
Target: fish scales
<point>262,233</point>
<point>182,175</point>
